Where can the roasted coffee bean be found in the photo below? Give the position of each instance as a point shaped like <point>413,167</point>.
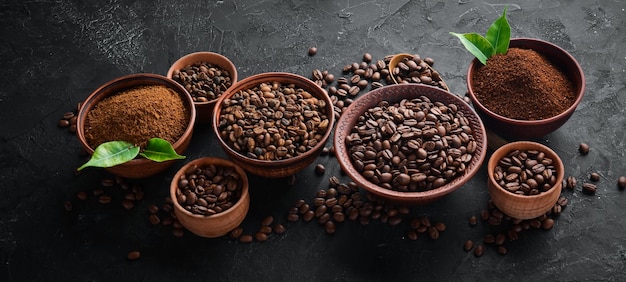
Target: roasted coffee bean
<point>621,182</point>
<point>433,233</point>
<point>547,223</point>
<point>589,188</point>
<point>279,228</point>
<point>154,219</point>
<point>562,201</point>
<point>292,217</point>
<point>246,238</point>
<point>367,57</point>
<point>502,250</point>
<point>473,221</point>
<point>571,182</point>
<point>440,226</point>
<point>479,250</point>
<point>489,239</point>
<point>81,195</point>
<point>594,176</point>
<point>312,51</point>
<point>236,233</point>
<point>133,255</point>
<point>265,229</point>
<point>583,148</point>
<point>330,227</point>
<point>153,208</point>
<point>412,235</point>
<point>128,204</point>
<point>308,216</point>
<point>68,205</point>
<point>260,236</point>
<point>468,245</point>
<point>63,123</point>
<point>104,199</point>
<point>500,239</point>
<point>267,221</point>
<point>320,169</point>
<point>178,232</point>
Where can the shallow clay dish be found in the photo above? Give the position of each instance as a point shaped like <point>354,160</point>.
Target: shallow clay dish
<point>218,224</point>
<point>523,206</point>
<point>139,167</point>
<point>275,168</point>
<point>523,129</point>
<point>205,109</point>
<point>393,94</point>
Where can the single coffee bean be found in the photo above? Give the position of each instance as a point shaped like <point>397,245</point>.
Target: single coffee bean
<point>571,182</point>
<point>260,236</point>
<point>562,201</point>
<point>133,255</point>
<point>247,238</point>
<point>473,221</point>
<point>67,205</point>
<point>500,239</point>
<point>154,219</point>
<point>547,223</point>
<point>64,123</point>
<point>621,182</point>
<point>279,228</point>
<point>594,176</point>
<point>320,169</point>
<point>178,232</point>
<point>265,229</point>
<point>479,250</point>
<point>153,208</point>
<point>589,188</point>
<point>329,227</point>
<point>412,235</point>
<point>292,217</point>
<point>502,250</point>
<point>367,57</point>
<point>312,51</point>
<point>236,233</point>
<point>489,239</point>
<point>128,204</point>
<point>583,148</point>
<point>468,246</point>
<point>433,233</point>
<point>267,221</point>
<point>104,199</point>
<point>308,215</point>
<point>440,226</point>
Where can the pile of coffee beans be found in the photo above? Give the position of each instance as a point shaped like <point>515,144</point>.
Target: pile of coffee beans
<point>415,70</point>
<point>525,172</point>
<point>204,81</point>
<point>273,121</point>
<point>413,145</point>
<point>68,120</point>
<point>208,190</point>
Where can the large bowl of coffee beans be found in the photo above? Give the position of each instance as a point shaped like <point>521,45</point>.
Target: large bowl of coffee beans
<point>273,124</point>
<point>525,179</point>
<point>206,75</point>
<point>210,196</point>
<point>529,92</point>
<point>135,108</point>
<point>410,143</point>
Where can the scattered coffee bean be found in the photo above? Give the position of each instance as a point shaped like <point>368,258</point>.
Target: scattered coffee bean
<point>433,233</point>
<point>571,182</point>
<point>583,148</point>
<point>473,221</point>
<point>412,235</point>
<point>260,236</point>
<point>265,229</point>
<point>128,204</point>
<point>621,182</point>
<point>104,199</point>
<point>489,239</point>
<point>330,227</point>
<point>154,219</point>
<point>245,238</point>
<point>589,188</point>
<point>320,169</point>
<point>479,250</point>
<point>547,223</point>
<point>67,205</point>
<point>594,176</point>
<point>562,201</point>
<point>267,221</point>
<point>367,57</point>
<point>279,228</point>
<point>133,255</point>
<point>312,51</point>
<point>502,250</point>
<point>236,233</point>
<point>153,208</point>
<point>468,246</point>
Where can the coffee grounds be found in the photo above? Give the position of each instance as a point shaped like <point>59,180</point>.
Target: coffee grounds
<point>523,85</point>
<point>137,115</point>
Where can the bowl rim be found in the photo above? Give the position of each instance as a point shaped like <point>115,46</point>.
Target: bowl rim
<point>491,164</point>
<point>88,104</point>
<point>346,164</point>
<point>245,186</point>
<point>205,54</point>
<point>568,57</point>
<point>256,79</point>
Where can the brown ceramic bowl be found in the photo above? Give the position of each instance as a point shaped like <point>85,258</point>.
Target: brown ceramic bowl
<point>139,167</point>
<point>393,94</point>
<point>275,168</point>
<point>205,109</point>
<point>522,206</point>
<point>523,129</point>
<point>218,224</point>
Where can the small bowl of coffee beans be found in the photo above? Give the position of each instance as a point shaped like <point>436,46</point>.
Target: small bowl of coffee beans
<point>410,143</point>
<point>273,124</point>
<point>210,196</point>
<point>206,76</point>
<point>525,179</point>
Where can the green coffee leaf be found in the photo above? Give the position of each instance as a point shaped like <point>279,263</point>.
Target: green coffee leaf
<point>476,44</point>
<point>499,34</point>
<point>112,153</point>
<point>160,150</point>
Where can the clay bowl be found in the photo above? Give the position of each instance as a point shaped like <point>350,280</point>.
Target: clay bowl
<point>218,224</point>
<point>139,167</point>
<point>204,109</point>
<point>528,129</point>
<point>523,206</point>
<point>282,167</point>
<point>393,94</point>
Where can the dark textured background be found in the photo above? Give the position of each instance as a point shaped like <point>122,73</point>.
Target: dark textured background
<point>54,53</point>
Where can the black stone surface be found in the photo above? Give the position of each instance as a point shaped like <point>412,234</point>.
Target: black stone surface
<point>54,53</point>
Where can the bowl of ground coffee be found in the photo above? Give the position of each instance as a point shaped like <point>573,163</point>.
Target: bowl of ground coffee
<point>135,108</point>
<point>210,196</point>
<point>206,76</point>
<point>529,92</point>
<point>525,179</point>
<point>410,143</point>
<point>273,124</point>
